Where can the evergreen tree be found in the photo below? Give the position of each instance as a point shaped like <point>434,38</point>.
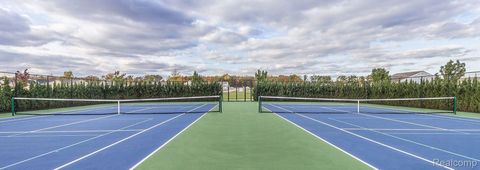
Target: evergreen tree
<point>261,75</point>
<point>196,78</point>
<point>378,75</point>
<point>453,71</point>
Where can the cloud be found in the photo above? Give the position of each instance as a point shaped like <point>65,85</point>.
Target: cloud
<point>44,64</point>
<point>13,22</point>
<point>160,67</point>
<point>147,12</point>
<point>224,37</point>
<point>238,37</point>
<point>144,27</point>
<point>453,30</point>
<point>15,30</point>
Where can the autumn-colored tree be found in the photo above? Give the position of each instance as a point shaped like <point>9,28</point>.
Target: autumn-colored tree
<point>92,78</point>
<point>153,78</point>
<point>226,77</point>
<point>115,76</point>
<point>23,77</point>
<point>68,74</point>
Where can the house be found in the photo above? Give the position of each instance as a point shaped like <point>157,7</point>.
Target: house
<point>415,76</point>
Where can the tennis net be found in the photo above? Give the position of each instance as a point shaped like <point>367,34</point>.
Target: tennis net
<point>374,106</point>
<point>54,106</point>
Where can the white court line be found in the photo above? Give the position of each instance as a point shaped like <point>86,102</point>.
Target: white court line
<point>68,124</point>
<point>467,119</point>
<point>38,136</point>
<point>411,141</point>
<point>456,117</point>
<point>66,147</point>
<point>136,111</point>
<point>401,121</point>
<point>161,146</point>
<point>148,108</point>
<point>156,106</point>
<point>26,117</point>
<point>427,133</point>
<point>387,129</point>
<point>62,125</point>
<point>72,112</point>
<point>331,144</point>
<point>423,118</point>
<point>76,131</point>
<point>16,119</point>
<point>370,140</point>
<point>124,139</point>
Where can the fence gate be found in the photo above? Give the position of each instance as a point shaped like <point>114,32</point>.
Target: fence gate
<point>238,90</point>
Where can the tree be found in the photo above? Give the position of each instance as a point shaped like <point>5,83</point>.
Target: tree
<point>361,79</point>
<point>23,77</point>
<point>352,79</point>
<point>321,79</point>
<point>261,75</point>
<point>225,77</point>
<point>379,75</point>
<point>6,85</point>
<point>175,76</point>
<point>175,73</point>
<point>294,78</point>
<point>453,71</point>
<point>153,78</point>
<point>68,74</point>
<point>342,79</point>
<point>115,76</point>
<point>196,78</point>
<point>92,78</point>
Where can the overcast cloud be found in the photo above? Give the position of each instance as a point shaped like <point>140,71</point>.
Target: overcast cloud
<point>328,37</point>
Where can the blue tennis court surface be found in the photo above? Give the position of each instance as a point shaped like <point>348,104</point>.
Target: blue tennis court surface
<point>117,141</point>
<point>391,141</point>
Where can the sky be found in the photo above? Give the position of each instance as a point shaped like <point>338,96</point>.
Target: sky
<point>322,37</point>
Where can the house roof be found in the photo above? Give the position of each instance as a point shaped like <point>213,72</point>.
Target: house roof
<point>407,74</point>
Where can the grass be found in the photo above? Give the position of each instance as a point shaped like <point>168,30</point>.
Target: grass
<point>3,115</point>
<point>468,115</point>
<point>242,138</point>
<point>233,96</point>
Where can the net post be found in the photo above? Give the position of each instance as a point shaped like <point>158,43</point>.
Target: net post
<point>259,104</point>
<point>220,106</point>
<point>13,105</point>
<point>118,106</point>
<point>358,106</point>
<point>454,105</point>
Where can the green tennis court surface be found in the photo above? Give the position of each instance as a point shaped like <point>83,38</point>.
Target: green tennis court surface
<point>241,138</point>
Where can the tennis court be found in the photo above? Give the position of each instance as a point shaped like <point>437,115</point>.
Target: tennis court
<point>123,133</point>
<point>103,134</point>
<point>386,137</point>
